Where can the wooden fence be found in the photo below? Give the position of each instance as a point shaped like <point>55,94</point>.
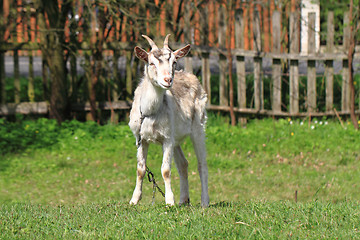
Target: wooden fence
<point>285,68</point>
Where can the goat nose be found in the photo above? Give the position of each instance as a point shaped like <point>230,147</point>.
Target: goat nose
<point>168,80</point>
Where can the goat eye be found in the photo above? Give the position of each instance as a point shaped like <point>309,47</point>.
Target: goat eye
<point>151,64</point>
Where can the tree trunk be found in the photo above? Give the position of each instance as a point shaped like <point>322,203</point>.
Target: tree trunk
<point>52,44</point>
<point>58,98</point>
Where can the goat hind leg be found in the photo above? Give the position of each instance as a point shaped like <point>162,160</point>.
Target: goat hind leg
<point>141,170</point>
<point>198,139</point>
<point>182,167</point>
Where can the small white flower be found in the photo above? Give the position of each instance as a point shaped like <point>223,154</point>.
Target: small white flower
<point>326,123</point>
<point>312,127</point>
<point>301,123</point>
<point>320,122</point>
<point>291,122</point>
<point>316,121</point>
<point>68,158</point>
<point>76,138</point>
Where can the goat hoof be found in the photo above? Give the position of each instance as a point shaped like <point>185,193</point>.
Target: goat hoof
<point>135,200</point>
<point>184,203</point>
<point>132,202</point>
<point>170,203</point>
<point>205,204</point>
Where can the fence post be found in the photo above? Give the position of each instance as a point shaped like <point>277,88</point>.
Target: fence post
<point>329,69</point>
<point>311,69</point>
<point>205,62</point>
<point>28,22</point>
<point>223,88</point>
<point>31,87</point>
<point>116,75</point>
<point>240,62</point>
<point>2,78</point>
<point>276,63</point>
<point>188,36</point>
<point>17,33</point>
<point>294,64</point>
<point>17,86</point>
<point>345,93</point>
<point>258,82</point>
<point>128,76</point>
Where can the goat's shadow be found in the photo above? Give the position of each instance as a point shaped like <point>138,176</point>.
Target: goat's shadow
<point>221,204</point>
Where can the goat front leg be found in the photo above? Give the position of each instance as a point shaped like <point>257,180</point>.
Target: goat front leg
<point>141,170</point>
<point>168,150</point>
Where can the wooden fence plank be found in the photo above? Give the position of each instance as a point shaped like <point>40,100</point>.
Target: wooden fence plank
<point>17,35</point>
<point>29,29</point>
<point>129,77</point>
<point>321,56</point>
<point>31,86</point>
<point>116,75</point>
<point>188,36</point>
<point>345,93</point>
<point>2,78</point>
<point>258,82</point>
<point>43,108</point>
<point>240,62</point>
<point>223,87</point>
<point>269,113</point>
<point>87,60</point>
<point>17,86</point>
<point>276,63</point>
<point>294,64</point>
<point>205,60</point>
<point>329,64</point>
<point>24,108</point>
<point>311,68</point>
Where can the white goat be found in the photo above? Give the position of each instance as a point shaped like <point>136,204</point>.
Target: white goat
<point>168,106</point>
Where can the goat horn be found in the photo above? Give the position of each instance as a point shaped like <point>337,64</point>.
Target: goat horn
<point>166,41</point>
<point>151,42</point>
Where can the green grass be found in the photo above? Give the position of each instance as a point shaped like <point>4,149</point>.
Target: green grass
<point>75,181</point>
<point>248,220</point>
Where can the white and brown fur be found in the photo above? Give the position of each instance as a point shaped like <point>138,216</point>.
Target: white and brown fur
<point>168,106</point>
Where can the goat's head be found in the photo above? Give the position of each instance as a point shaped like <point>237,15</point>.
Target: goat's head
<point>161,63</point>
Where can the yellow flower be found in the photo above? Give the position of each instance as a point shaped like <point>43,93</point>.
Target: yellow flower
<point>289,119</point>
<point>36,131</point>
<point>292,134</point>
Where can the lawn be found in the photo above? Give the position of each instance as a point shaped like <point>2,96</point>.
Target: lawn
<point>75,181</point>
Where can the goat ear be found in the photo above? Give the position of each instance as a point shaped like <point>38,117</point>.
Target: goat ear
<point>182,52</point>
<point>141,54</point>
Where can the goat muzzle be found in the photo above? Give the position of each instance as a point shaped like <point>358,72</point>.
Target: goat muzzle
<point>168,80</point>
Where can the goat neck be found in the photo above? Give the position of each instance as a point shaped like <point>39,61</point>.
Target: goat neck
<point>151,98</point>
